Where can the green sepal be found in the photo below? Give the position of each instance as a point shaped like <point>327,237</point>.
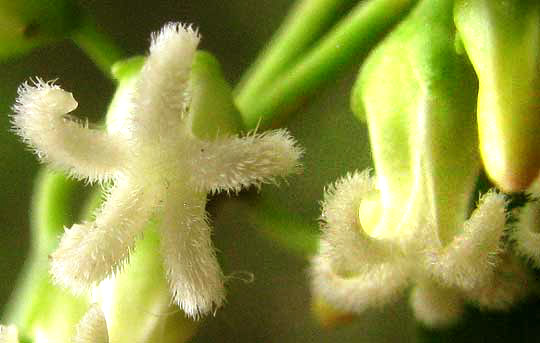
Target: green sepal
<point>501,38</point>
<point>212,112</point>
<point>138,300</point>
<point>212,109</point>
<point>126,73</point>
<point>418,95</point>
<point>39,308</point>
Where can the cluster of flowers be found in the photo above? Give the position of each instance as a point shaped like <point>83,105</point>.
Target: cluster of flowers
<point>437,105</point>
<point>424,94</point>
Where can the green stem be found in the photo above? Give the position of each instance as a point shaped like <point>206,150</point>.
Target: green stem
<point>346,44</point>
<point>99,47</point>
<point>304,25</point>
<point>51,210</point>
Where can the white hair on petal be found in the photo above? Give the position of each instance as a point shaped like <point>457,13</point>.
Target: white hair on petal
<point>374,286</point>
<point>157,165</point>
<point>436,306</point>
<point>470,259</point>
<point>194,275</point>
<point>92,328</point>
<point>510,283</point>
<point>40,119</point>
<point>160,92</point>
<point>92,251</point>
<point>9,334</point>
<point>174,30</point>
<point>526,232</point>
<point>345,240</point>
<point>233,163</point>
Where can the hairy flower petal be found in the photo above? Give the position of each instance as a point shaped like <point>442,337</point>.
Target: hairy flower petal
<point>160,94</point>
<point>158,166</point>
<point>40,120</point>
<point>470,259</point>
<point>92,328</point>
<point>231,164</point>
<point>375,286</point>
<point>195,278</point>
<point>92,251</point>
<point>346,239</point>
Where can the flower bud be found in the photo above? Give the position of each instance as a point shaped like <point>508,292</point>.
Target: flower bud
<point>212,109</point>
<point>137,302</point>
<point>418,95</point>
<point>502,41</point>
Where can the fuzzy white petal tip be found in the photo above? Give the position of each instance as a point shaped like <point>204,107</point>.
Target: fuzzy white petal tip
<point>92,328</point>
<point>194,274</point>
<point>91,251</point>
<point>9,334</point>
<point>38,107</point>
<point>81,261</point>
<point>469,261</point>
<point>40,119</point>
<point>175,33</point>
<point>232,164</point>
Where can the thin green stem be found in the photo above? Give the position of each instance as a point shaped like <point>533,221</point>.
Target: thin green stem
<point>346,44</point>
<point>304,25</point>
<point>99,47</point>
<point>51,210</point>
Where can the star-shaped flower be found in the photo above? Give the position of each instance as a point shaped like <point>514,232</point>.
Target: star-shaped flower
<point>361,265</point>
<point>159,168</point>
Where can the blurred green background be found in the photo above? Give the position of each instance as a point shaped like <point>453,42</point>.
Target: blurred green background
<point>275,307</point>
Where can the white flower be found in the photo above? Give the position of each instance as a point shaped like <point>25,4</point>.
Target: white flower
<point>159,168</point>
<point>362,263</point>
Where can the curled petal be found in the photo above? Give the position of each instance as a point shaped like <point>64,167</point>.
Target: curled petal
<point>234,163</point>
<point>40,120</point>
<point>90,252</point>
<point>9,334</point>
<point>372,287</point>
<point>160,96</point>
<point>470,259</point>
<point>436,306</point>
<point>345,240</point>
<point>92,328</point>
<point>194,275</point>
